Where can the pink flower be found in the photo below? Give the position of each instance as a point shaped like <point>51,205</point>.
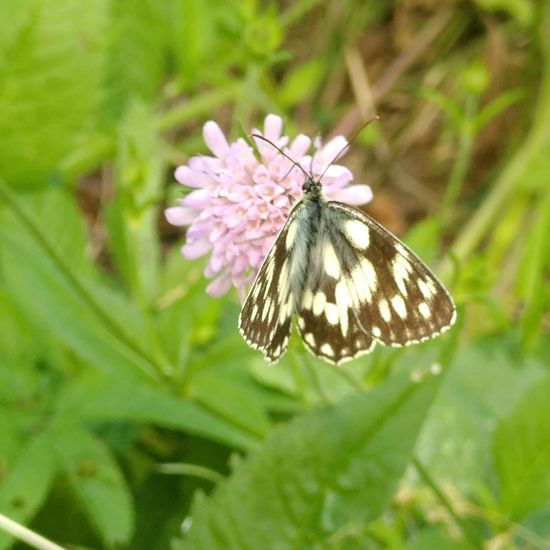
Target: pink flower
<point>239,202</point>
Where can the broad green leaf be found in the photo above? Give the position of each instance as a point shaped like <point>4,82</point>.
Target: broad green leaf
<point>25,486</point>
<point>48,296</point>
<point>238,404</point>
<point>521,451</point>
<point>483,385</point>
<point>51,71</point>
<point>97,481</point>
<point>98,398</point>
<point>137,52</point>
<point>318,474</point>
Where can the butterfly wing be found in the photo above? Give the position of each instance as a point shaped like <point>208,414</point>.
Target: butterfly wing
<point>369,287</point>
<point>264,321</point>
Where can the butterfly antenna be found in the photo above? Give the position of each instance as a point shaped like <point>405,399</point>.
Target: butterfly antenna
<point>348,145</point>
<point>308,176</point>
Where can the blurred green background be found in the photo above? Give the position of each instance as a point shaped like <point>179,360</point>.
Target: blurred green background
<point>132,415</point>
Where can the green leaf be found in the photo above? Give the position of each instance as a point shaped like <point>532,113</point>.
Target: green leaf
<point>48,295</point>
<point>301,82</point>
<point>483,385</point>
<point>137,52</point>
<point>318,474</point>
<point>27,483</point>
<point>431,538</point>
<point>98,398</point>
<point>97,481</point>
<point>51,71</point>
<point>238,405</point>
<point>521,451</point>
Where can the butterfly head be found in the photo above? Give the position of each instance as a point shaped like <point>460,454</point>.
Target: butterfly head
<point>311,187</point>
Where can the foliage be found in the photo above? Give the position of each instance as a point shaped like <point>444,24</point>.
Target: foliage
<point>132,415</point>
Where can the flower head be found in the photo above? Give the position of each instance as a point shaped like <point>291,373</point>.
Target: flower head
<point>240,201</point>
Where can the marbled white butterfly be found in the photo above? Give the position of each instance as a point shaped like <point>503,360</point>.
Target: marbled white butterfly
<point>347,279</point>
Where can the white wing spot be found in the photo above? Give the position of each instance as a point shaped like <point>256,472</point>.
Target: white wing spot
<point>319,301</point>
<point>327,350</point>
<point>401,271</point>
<point>358,233</point>
<point>427,290</point>
<point>310,339</point>
<point>301,323</point>
<point>331,313</point>
<point>376,332</point>
<point>343,300</point>
<point>401,249</point>
<point>291,235</point>
<point>254,312</point>
<point>307,300</point>
<point>364,280</point>
<point>424,310</point>
<point>399,305</point>
<point>384,309</point>
<point>282,283</point>
<point>331,262</point>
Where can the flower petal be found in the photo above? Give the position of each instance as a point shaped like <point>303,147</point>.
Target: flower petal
<point>195,249</point>
<point>215,139</point>
<point>198,199</point>
<point>179,215</point>
<point>192,178</point>
<point>273,124</point>
<point>299,147</point>
<point>353,194</point>
<point>219,286</point>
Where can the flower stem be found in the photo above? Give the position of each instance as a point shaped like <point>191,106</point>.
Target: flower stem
<point>446,503</point>
<point>26,535</point>
<point>141,358</point>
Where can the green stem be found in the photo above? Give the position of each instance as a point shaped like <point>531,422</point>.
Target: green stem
<point>194,470</point>
<point>144,362</point>
<point>445,502</point>
<point>461,162</point>
<point>26,535</point>
<point>204,103</point>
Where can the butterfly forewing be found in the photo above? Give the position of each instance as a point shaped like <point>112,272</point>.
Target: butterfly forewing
<point>266,314</point>
<point>396,298</point>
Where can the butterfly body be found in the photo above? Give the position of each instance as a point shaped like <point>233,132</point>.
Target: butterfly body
<point>348,281</point>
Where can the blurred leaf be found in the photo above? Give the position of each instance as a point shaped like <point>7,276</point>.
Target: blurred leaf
<point>521,450</point>
<point>97,398</point>
<point>51,71</point>
<point>483,385</point>
<point>431,538</point>
<point>521,10</point>
<point>97,481</point>
<point>301,82</point>
<point>26,485</point>
<point>138,52</point>
<point>533,270</point>
<point>50,294</point>
<point>318,473</point>
<point>238,404</point>
<point>132,217</point>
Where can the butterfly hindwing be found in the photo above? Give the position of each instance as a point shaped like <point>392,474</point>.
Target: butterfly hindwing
<point>327,324</point>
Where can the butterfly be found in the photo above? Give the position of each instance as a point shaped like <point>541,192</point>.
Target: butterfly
<point>349,282</point>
